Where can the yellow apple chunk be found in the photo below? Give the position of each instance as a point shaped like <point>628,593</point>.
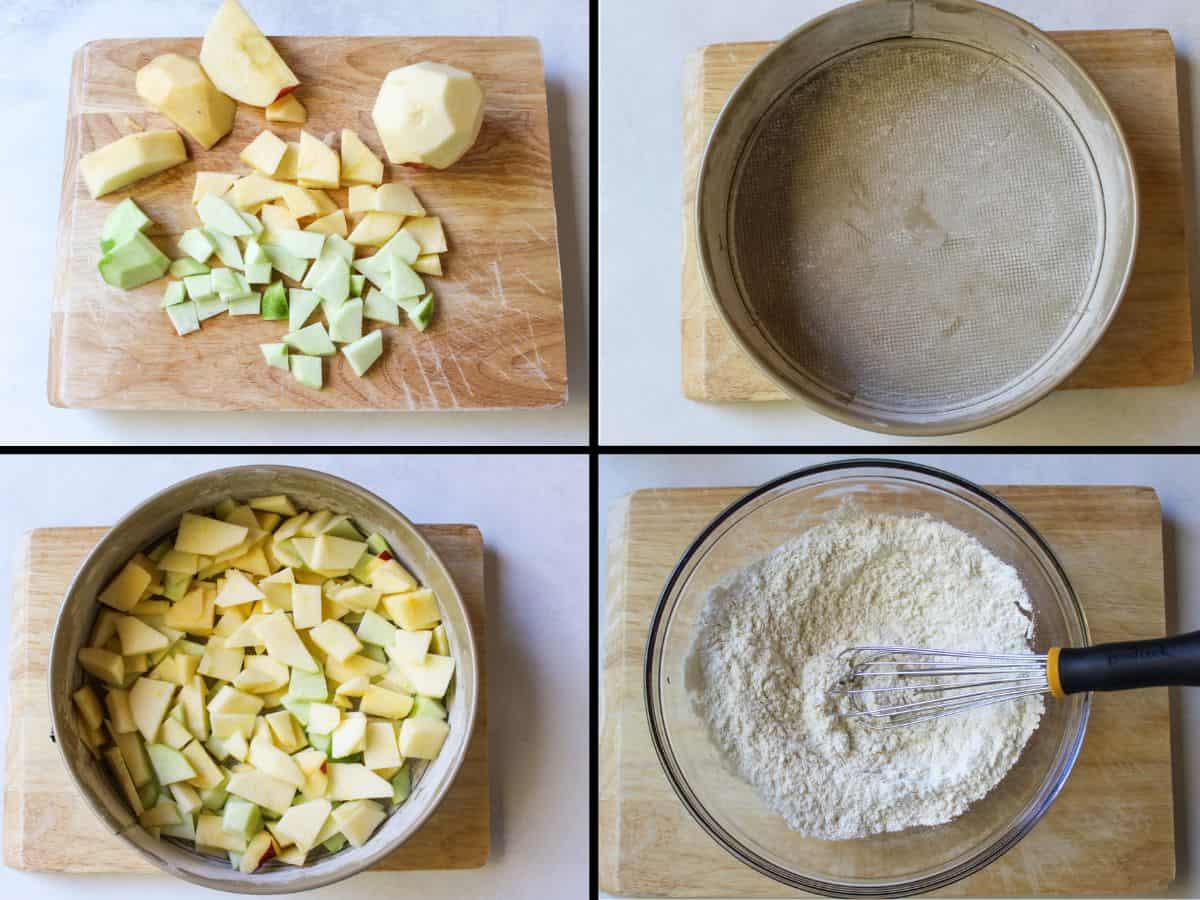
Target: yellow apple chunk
<point>428,234</point>
<point>422,738</point>
<point>428,113</point>
<point>216,183</point>
<point>130,159</point>
<point>178,88</point>
<point>359,164</point>
<point>334,223</point>
<point>430,264</point>
<point>124,591</point>
<point>208,537</point>
<point>399,199</point>
<point>319,166</point>
<point>264,153</point>
<point>287,109</point>
<point>241,61</point>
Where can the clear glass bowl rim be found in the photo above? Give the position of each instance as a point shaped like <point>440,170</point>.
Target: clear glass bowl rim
<point>877,887</point>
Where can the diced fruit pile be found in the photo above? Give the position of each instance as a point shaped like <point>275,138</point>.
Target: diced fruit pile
<point>278,217</point>
<point>262,681</point>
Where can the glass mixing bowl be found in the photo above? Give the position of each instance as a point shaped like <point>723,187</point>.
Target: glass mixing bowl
<point>884,865</point>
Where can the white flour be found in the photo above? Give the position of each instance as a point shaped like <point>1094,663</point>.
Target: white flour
<point>764,658</point>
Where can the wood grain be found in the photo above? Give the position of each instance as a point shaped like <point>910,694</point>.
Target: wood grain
<point>1149,341</point>
<point>497,341</point>
<point>45,819</point>
<point>1110,831</point>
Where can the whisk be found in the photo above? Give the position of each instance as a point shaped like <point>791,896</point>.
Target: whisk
<point>890,687</point>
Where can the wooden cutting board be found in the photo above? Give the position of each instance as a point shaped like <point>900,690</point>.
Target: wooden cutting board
<point>46,821</point>
<point>1150,340</point>
<point>497,341</point>
<point>1110,831</point>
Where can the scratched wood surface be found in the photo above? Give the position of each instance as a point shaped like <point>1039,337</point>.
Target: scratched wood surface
<point>497,340</point>
<point>46,821</point>
<point>1149,341</point>
<point>1110,831</point>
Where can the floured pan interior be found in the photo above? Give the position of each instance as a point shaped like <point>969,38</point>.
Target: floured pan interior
<point>916,226</point>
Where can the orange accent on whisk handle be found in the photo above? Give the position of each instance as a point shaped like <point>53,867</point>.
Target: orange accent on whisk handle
<point>1052,675</point>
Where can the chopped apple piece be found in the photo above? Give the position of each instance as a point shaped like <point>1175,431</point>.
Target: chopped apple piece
<point>413,610</point>
<point>410,646</point>
<point>430,264</point>
<point>124,591</point>
<point>398,198</point>
<point>334,223</point>
<point>148,701</point>
<point>427,232</point>
<point>238,589</point>
<point>89,707</point>
<point>381,751</point>
<point>129,159</point>
<point>208,537</point>
<point>266,757</point>
<point>264,153</point>
<point>375,229</point>
<point>208,775</point>
<point>304,821</point>
<point>120,715</point>
<point>348,737</point>
<point>354,781</point>
<point>169,765</point>
<point>217,183</point>
<point>335,639</point>
<point>379,701</point>
<point>261,788</point>
<point>359,164</point>
<point>221,662</point>
<point>241,61</point>
<point>253,192</point>
<point>361,198</point>
<point>284,644</point>
<point>209,833</point>
<point>287,109</point>
<point>430,676</point>
<point>179,88</point>
<point>323,718</point>
<point>358,821</point>
<point>138,637</point>
<point>319,165</point>
<point>117,764</point>
<point>186,798</point>
<point>392,578</point>
<point>422,738</point>
<point>259,850</point>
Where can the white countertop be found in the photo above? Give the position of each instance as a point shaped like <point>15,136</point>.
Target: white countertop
<point>37,39</point>
<point>643,44</point>
<point>1175,478</point>
<point>533,513</point>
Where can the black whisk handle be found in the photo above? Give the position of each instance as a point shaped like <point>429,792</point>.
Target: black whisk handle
<point>1123,665</point>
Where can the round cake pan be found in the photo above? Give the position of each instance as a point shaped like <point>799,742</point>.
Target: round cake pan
<point>917,215</point>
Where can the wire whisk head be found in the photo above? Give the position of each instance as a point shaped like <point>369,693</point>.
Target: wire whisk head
<point>891,687</point>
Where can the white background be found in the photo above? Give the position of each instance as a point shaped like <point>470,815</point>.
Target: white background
<point>642,47</point>
<point>1175,478</point>
<point>37,40</point>
<point>533,512</point>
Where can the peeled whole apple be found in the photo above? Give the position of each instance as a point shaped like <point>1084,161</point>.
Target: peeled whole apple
<point>178,88</point>
<point>428,113</point>
<point>241,61</point>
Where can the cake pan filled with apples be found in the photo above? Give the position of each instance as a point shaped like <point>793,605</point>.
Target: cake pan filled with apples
<point>263,679</point>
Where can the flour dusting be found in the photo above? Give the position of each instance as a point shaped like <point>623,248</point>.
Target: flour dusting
<point>765,654</point>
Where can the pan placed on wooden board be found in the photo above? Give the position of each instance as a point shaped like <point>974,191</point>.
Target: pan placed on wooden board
<point>917,215</point>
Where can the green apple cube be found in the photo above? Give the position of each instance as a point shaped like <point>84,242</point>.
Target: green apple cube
<point>321,742</point>
<point>404,281</point>
<point>185,267</point>
<point>298,708</point>
<point>225,283</point>
<point>420,312</point>
<point>258,273</point>
<point>312,340</point>
<point>308,686</point>
<point>371,651</point>
<point>169,764</point>
<point>338,246</point>
<point>199,287</point>
<point>184,317</point>
<point>134,262</point>
<point>276,355</point>
<point>175,293</point>
<point>401,785</point>
<point>148,793</point>
<point>304,244</point>
<point>363,352</point>
<point>206,309</point>
<point>255,226</point>
<point>403,244</point>
<point>274,301</point>
<point>357,283</point>
<point>344,529</point>
<point>185,830</point>
<point>122,223</point>
<point>335,843</point>
<point>191,648</point>
<point>241,817</point>
<point>196,243</point>
<point>345,325</point>
<point>334,284</point>
<point>218,214</point>
<point>307,370</point>
<point>379,307</point>
<point>228,250</point>
<point>375,269</point>
<point>377,544</point>
<point>427,708</point>
<point>214,798</point>
<point>375,629</point>
<point>286,262</point>
<point>245,306</point>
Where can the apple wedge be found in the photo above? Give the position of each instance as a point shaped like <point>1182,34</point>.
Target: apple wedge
<point>303,822</point>
<point>129,159</point>
<point>287,109</point>
<point>179,89</point>
<point>358,821</point>
<point>241,61</point>
<point>359,164</point>
<point>354,781</point>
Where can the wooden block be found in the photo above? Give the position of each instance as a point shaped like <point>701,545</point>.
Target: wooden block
<point>497,339</point>
<point>1150,340</point>
<point>46,820</point>
<point>1111,829</point>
